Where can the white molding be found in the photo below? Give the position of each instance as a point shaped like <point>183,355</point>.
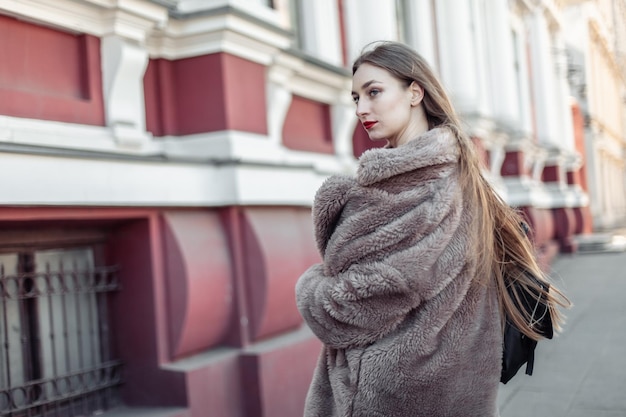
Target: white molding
<point>343,122</point>
<point>217,33</point>
<point>524,191</point>
<point>213,148</point>
<point>129,18</point>
<point>123,68</point>
<point>562,195</point>
<point>309,80</point>
<point>246,148</point>
<point>45,180</point>
<point>147,23</point>
<point>218,169</point>
<point>64,14</point>
<point>279,100</point>
<point>256,10</point>
<point>65,136</point>
<point>54,163</point>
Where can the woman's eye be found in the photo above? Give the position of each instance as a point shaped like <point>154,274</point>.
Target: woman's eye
<point>355,99</point>
<point>374,92</point>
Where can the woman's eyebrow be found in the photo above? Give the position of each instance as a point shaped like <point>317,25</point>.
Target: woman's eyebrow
<point>367,84</point>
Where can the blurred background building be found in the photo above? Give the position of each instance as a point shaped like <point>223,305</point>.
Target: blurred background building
<point>159,159</point>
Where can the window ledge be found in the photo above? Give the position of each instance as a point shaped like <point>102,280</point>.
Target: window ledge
<point>146,412</point>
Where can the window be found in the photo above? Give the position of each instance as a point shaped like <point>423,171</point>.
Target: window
<point>55,356</point>
<point>317,29</point>
<point>295,14</point>
<point>403,19</point>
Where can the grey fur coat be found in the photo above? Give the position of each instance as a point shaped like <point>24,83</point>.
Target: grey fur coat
<point>406,329</point>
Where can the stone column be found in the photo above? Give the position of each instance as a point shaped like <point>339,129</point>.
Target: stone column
<point>502,77</point>
<point>458,56</point>
<point>423,30</point>
<point>368,21</point>
<point>543,78</point>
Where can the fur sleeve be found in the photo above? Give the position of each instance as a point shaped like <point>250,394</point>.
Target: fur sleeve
<point>357,307</point>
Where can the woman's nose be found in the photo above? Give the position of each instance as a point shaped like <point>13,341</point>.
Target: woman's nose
<point>361,108</point>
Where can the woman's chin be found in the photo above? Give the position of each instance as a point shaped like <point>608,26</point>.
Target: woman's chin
<point>374,137</point>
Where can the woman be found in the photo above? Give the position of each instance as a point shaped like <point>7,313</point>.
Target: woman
<point>410,298</point>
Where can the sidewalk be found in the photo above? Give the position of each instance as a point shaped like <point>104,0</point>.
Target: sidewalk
<point>582,371</point>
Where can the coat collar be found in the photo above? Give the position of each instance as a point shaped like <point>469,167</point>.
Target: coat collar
<point>434,147</point>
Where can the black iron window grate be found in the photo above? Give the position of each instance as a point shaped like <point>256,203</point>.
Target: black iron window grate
<point>55,356</point>
<point>77,394</point>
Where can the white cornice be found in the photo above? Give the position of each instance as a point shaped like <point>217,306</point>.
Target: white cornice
<point>54,163</point>
<point>207,34</point>
<point>215,147</point>
<point>143,8</point>
<point>77,181</point>
<point>63,14</point>
<point>132,19</point>
<point>309,80</point>
<point>184,8</point>
<point>57,135</point>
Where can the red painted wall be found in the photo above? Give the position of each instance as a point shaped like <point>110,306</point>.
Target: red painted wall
<point>198,265</point>
<point>342,31</point>
<point>541,221</point>
<point>579,141</point>
<point>542,227</point>
<point>180,296</point>
<point>278,245</point>
<point>483,154</point>
<point>565,225</point>
<point>513,164</point>
<point>307,126</point>
<point>245,96</point>
<point>160,98</point>
<point>48,74</point>
<point>551,173</point>
<point>362,142</point>
<point>584,219</point>
<point>205,94</point>
<point>138,312</point>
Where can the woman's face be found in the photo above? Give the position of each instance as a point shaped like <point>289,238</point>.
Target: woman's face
<point>385,105</point>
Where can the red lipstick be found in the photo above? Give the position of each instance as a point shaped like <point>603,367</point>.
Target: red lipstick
<point>368,125</point>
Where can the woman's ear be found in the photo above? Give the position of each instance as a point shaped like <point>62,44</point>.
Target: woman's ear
<point>417,93</point>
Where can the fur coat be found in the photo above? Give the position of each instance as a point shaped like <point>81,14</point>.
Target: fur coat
<point>406,329</point>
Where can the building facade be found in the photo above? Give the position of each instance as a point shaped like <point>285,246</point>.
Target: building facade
<point>160,158</point>
<point>596,48</point>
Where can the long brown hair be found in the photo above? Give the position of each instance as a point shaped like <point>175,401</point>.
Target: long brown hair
<point>511,254</point>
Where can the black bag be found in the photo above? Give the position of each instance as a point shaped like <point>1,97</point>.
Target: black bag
<point>519,349</point>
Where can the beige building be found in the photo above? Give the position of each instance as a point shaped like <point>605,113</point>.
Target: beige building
<point>596,47</point>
